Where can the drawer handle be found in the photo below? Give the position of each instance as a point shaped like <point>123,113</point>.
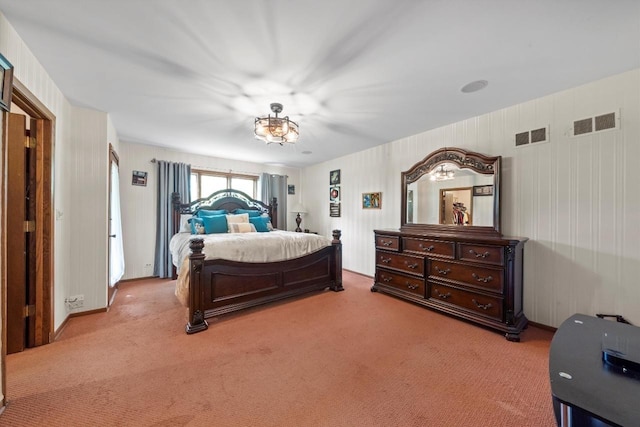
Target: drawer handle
<point>386,279</point>
<point>443,296</point>
<point>426,248</point>
<point>479,255</point>
<point>482,306</point>
<point>481,279</point>
<point>411,266</point>
<point>385,260</point>
<point>386,243</point>
<point>412,287</point>
<point>443,272</point>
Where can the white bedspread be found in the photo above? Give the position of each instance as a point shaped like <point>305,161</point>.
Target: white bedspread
<point>273,246</point>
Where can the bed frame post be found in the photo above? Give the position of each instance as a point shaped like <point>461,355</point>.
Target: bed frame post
<point>274,212</point>
<point>196,312</point>
<point>175,202</point>
<point>337,261</point>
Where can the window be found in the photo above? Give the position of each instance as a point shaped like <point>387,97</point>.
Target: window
<point>204,183</point>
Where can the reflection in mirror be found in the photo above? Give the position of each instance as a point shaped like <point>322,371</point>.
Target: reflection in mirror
<point>426,206</point>
<point>453,188</point>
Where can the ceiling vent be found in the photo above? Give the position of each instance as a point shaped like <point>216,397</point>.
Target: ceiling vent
<point>595,124</point>
<point>531,137</point>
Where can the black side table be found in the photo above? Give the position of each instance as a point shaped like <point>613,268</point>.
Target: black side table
<point>586,390</point>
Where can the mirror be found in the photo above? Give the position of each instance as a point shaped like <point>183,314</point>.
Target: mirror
<point>452,190</point>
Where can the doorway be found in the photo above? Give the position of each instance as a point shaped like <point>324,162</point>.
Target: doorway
<point>116,251</point>
<point>456,206</point>
<point>28,218</point>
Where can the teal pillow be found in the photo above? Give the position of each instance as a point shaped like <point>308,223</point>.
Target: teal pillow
<point>210,212</point>
<point>260,223</point>
<point>215,224</point>
<point>197,225</point>
<point>252,212</point>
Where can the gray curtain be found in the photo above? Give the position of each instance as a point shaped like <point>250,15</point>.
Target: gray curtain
<point>172,177</point>
<point>276,186</point>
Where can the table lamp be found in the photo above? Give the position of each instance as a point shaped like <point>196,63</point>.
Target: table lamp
<point>298,209</point>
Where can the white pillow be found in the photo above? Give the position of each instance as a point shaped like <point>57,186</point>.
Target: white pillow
<point>185,227</point>
<point>237,219</point>
<point>242,227</point>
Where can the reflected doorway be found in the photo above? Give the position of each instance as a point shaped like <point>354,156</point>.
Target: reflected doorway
<point>456,206</point>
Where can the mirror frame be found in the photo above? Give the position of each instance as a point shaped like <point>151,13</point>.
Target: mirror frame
<point>486,165</point>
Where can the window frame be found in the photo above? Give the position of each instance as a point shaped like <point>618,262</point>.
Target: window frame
<point>228,175</point>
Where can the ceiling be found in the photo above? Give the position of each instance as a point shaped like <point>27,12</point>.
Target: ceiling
<point>192,75</point>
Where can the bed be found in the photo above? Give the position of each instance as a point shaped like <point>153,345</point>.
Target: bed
<point>210,282</point>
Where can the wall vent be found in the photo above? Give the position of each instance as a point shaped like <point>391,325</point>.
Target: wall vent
<point>599,123</point>
<point>532,137</point>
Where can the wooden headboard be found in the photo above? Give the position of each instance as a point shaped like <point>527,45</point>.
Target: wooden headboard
<point>228,200</point>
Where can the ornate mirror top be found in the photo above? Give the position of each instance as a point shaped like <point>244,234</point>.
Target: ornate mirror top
<point>452,190</point>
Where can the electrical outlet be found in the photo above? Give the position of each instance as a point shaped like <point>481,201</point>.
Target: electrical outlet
<point>76,301</point>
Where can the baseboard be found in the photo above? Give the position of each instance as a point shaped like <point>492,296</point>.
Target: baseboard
<point>359,274</point>
<point>544,327</point>
<point>135,279</point>
<point>64,323</point>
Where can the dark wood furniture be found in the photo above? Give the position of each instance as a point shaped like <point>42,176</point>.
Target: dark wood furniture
<point>218,286</point>
<point>471,272</point>
<point>586,390</point>
<point>474,278</point>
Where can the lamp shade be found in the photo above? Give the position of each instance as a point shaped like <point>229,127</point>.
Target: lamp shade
<point>298,208</point>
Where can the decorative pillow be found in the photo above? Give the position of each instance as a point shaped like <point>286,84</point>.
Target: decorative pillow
<point>185,227</point>
<point>241,227</point>
<point>251,212</point>
<point>210,212</point>
<point>268,222</point>
<point>260,222</point>
<point>235,219</point>
<point>215,224</point>
<point>197,225</point>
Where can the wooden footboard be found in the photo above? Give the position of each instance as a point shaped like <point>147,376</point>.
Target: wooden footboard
<point>219,286</point>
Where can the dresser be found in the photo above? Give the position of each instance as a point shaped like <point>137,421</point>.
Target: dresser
<point>477,278</point>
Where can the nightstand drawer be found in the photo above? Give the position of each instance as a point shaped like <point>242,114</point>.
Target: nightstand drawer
<point>481,253</point>
<point>389,243</point>
<point>398,281</point>
<point>429,247</point>
<point>469,275</point>
<point>407,263</point>
<point>471,301</point>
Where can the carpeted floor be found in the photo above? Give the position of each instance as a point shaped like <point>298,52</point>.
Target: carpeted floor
<point>353,358</point>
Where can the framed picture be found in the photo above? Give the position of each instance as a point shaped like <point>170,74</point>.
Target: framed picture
<point>371,200</point>
<point>334,177</point>
<point>6,83</point>
<point>291,189</point>
<point>483,190</point>
<point>139,178</point>
<point>334,193</point>
<point>334,209</point>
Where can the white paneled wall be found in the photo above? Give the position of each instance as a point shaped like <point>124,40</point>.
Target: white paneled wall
<point>575,198</point>
<point>139,204</point>
<point>80,182</point>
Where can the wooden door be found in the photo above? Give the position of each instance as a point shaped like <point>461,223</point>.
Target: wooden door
<point>17,227</point>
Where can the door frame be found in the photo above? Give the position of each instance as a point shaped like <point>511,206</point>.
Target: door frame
<point>111,291</point>
<point>43,330</point>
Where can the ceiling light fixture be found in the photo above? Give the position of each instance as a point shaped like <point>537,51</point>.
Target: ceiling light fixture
<point>276,129</point>
<point>442,174</point>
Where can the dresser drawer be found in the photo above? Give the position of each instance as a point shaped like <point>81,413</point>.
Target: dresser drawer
<point>434,248</point>
<point>477,303</point>
<point>401,282</point>
<point>481,253</point>
<point>407,263</point>
<point>390,243</point>
<point>471,275</point>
